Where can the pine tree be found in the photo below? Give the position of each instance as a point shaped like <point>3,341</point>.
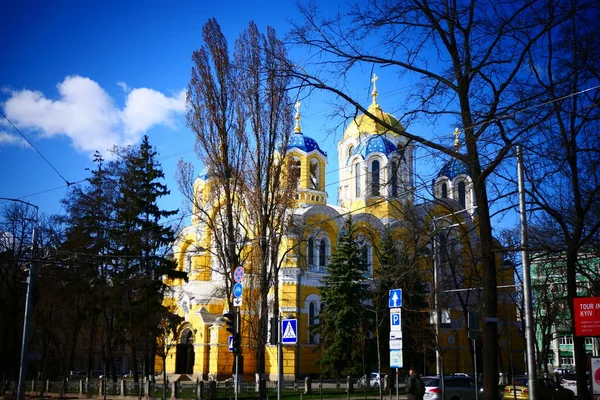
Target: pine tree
<point>344,321</point>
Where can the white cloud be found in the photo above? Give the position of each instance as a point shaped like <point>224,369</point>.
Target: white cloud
<point>88,116</point>
<point>6,139</point>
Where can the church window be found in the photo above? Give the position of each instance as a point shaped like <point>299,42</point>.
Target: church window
<point>314,174</point>
<point>350,151</point>
<point>295,167</point>
<point>357,179</point>
<point>323,253</point>
<point>462,194</point>
<point>444,190</point>
<point>314,309</point>
<point>188,263</point>
<point>394,178</point>
<point>310,252</point>
<point>375,189</point>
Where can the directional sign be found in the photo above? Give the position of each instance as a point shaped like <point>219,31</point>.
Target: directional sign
<point>396,359</point>
<point>395,298</point>
<point>238,274</point>
<point>237,301</point>
<point>289,331</point>
<point>395,320</point>
<point>230,343</point>
<point>238,289</point>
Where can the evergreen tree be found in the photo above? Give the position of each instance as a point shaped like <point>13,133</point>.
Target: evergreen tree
<point>344,321</point>
<point>142,242</point>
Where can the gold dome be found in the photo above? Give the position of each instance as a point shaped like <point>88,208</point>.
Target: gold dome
<point>364,123</point>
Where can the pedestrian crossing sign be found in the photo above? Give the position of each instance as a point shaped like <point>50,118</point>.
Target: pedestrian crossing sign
<point>289,331</point>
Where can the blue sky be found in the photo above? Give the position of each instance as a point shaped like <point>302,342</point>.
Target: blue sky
<point>79,76</point>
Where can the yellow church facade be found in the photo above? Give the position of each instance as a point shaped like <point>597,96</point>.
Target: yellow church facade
<point>376,187</point>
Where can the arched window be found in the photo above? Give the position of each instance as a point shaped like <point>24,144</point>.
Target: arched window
<point>310,252</point>
<point>394,178</point>
<point>323,253</point>
<point>314,174</point>
<point>295,168</point>
<point>313,309</point>
<point>312,321</point>
<point>357,179</point>
<point>375,189</point>
<point>350,151</point>
<point>462,194</point>
<point>444,190</point>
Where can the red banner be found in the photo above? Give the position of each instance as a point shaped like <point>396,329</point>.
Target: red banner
<point>587,316</point>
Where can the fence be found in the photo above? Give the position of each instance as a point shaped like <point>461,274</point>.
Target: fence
<point>199,390</point>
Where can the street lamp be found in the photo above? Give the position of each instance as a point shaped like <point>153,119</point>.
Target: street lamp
<point>28,301</point>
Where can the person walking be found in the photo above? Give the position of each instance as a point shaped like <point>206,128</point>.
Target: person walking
<point>415,388</point>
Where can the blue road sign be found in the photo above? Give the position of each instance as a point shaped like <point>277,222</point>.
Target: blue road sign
<point>230,343</point>
<point>395,298</point>
<point>238,289</point>
<point>289,331</point>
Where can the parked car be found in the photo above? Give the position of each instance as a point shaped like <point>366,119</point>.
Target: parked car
<point>457,387</point>
<point>374,380</point>
<point>545,389</point>
<point>562,371</point>
<point>569,381</point>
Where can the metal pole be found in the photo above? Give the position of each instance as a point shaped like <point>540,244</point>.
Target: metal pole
<point>237,355</point>
<point>438,358</point>
<point>529,328</point>
<point>279,357</point>
<point>28,305</point>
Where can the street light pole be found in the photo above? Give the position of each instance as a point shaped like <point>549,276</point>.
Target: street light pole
<point>28,304</point>
<point>529,328</point>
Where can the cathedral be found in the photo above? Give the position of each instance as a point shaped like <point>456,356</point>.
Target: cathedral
<point>376,185</point>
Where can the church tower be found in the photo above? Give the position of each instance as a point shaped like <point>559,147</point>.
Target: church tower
<point>454,181</point>
<point>306,166</point>
<point>375,164</point>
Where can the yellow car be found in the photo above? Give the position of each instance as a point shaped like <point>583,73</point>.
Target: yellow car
<point>545,389</point>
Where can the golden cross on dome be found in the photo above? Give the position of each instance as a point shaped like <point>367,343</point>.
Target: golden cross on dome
<point>297,128</point>
<point>374,94</point>
<point>456,141</point>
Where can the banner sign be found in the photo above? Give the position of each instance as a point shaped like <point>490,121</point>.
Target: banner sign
<point>587,316</point>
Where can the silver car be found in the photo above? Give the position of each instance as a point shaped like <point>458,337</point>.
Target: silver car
<point>457,388</point>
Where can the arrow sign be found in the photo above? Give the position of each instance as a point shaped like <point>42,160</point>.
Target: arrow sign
<point>237,301</point>
<point>395,298</point>
<point>238,289</point>
<point>230,343</point>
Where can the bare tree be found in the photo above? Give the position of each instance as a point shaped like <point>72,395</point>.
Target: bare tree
<point>469,59</point>
<point>262,64</point>
<point>240,111</point>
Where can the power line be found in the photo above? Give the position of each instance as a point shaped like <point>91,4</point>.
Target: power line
<point>35,148</point>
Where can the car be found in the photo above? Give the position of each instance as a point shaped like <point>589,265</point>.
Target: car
<point>562,371</point>
<point>457,387</point>
<point>374,380</point>
<point>545,389</point>
<point>569,381</point>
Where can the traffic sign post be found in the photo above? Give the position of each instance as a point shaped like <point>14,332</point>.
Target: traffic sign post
<point>238,274</point>
<point>289,332</point>
<point>395,299</point>
<point>395,320</point>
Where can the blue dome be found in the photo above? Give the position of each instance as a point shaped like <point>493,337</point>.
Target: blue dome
<point>304,143</point>
<point>374,143</point>
<point>453,168</point>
